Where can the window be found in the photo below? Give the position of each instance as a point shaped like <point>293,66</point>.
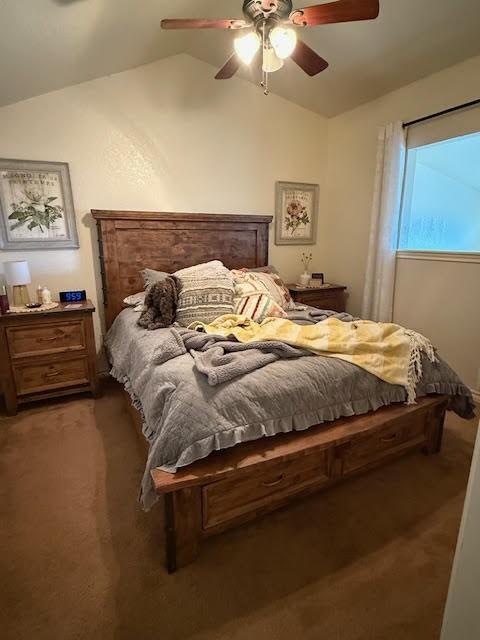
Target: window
<point>441,198</point>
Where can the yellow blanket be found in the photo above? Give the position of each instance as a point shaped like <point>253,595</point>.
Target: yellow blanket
<point>388,351</point>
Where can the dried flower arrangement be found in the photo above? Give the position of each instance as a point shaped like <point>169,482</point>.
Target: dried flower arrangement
<point>306,260</point>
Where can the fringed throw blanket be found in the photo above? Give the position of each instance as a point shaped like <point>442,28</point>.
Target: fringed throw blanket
<point>160,304</point>
<point>388,351</point>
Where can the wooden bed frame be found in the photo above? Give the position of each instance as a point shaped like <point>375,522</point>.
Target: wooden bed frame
<point>239,484</point>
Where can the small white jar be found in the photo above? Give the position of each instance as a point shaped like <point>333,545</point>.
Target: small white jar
<point>46,296</point>
<point>304,279</point>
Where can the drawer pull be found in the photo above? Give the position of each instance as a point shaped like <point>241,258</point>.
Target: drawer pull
<point>390,438</point>
<point>47,339</point>
<point>52,374</point>
<point>272,483</point>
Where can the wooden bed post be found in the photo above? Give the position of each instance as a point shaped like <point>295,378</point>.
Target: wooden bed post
<point>183,524</point>
<point>435,420</point>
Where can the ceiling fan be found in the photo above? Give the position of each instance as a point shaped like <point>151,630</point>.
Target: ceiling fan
<point>270,25</point>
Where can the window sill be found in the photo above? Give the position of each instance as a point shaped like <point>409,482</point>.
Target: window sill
<point>442,256</point>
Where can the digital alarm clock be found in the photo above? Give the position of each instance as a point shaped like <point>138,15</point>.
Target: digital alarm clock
<point>73,296</point>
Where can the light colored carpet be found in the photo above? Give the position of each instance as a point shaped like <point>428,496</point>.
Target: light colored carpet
<point>369,559</point>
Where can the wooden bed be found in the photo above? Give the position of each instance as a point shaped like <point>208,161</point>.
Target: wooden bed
<point>239,484</point>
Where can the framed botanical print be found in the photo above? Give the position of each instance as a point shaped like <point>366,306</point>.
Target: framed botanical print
<point>296,209</point>
<point>36,206</point>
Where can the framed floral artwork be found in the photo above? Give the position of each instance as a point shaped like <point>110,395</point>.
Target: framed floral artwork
<point>36,206</point>
<point>296,209</point>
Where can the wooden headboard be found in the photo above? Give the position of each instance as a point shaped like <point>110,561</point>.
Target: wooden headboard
<point>129,241</point>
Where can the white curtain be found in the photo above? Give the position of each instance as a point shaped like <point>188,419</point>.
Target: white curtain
<point>385,224</point>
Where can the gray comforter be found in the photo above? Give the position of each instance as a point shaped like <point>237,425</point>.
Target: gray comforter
<point>186,418</point>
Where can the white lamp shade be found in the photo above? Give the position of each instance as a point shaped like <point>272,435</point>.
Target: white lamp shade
<point>271,62</point>
<point>283,41</point>
<point>247,46</point>
<point>17,273</point>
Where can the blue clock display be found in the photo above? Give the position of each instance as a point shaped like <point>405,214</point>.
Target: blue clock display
<point>73,296</point>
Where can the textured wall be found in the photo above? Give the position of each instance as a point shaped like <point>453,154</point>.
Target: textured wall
<point>163,137</point>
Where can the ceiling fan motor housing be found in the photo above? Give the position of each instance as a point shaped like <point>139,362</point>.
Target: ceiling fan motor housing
<point>257,10</point>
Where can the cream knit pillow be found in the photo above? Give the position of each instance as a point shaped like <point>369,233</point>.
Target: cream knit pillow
<point>206,292</point>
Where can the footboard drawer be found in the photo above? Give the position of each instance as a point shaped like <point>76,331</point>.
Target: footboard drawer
<point>234,497</point>
<point>373,447</point>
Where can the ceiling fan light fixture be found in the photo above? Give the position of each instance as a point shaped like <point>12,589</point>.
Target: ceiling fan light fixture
<point>247,46</point>
<point>271,62</point>
<point>284,41</point>
<point>272,26</point>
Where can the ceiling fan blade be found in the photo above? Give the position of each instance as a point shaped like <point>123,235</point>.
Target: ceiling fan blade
<point>339,11</point>
<point>229,69</point>
<point>201,23</point>
<point>307,59</point>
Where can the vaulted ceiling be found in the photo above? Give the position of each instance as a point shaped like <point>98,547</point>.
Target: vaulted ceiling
<point>49,44</point>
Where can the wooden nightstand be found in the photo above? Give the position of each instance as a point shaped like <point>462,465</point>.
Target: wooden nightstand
<point>47,354</point>
<point>332,297</point>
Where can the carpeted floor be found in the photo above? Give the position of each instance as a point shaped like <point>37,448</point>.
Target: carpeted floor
<point>367,560</point>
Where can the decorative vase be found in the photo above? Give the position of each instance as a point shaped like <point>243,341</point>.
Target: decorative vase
<point>46,296</point>
<point>304,279</point>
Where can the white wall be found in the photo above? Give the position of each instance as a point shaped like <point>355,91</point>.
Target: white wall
<point>440,299</point>
<point>164,137</point>
<point>461,620</point>
<point>429,291</point>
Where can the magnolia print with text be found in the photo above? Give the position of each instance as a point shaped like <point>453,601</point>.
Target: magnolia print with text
<point>37,206</point>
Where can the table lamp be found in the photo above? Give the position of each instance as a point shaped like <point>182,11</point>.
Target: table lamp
<point>17,276</point>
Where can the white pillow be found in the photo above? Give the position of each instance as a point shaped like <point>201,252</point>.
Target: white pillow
<point>136,300</point>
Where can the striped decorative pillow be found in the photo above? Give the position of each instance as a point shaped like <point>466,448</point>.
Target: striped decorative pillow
<point>258,306</point>
<point>265,282</point>
<point>206,292</point>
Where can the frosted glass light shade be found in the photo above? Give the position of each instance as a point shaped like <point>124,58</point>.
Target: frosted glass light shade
<point>283,41</point>
<point>17,273</point>
<point>271,62</point>
<point>247,46</point>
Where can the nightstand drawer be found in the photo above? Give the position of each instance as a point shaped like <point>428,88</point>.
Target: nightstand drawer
<point>332,302</point>
<point>331,297</point>
<point>46,338</point>
<point>50,374</point>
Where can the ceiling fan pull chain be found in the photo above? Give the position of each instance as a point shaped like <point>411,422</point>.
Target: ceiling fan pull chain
<point>264,73</point>
<point>265,83</point>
